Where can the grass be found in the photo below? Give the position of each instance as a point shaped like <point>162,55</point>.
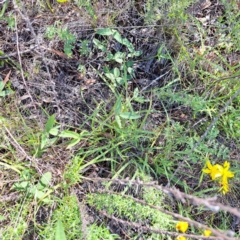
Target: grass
<point>87,138</point>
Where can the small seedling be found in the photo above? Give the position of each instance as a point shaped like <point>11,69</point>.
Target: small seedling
<point>63,34</point>
<point>124,112</point>
<point>39,190</point>
<point>4,93</point>
<point>45,138</point>
<point>84,49</point>
<point>123,73</point>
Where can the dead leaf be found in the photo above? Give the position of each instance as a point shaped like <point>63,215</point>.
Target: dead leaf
<point>205,4</point>
<point>60,54</point>
<point>88,83</point>
<point>204,20</point>
<point>6,79</point>
<point>183,116</point>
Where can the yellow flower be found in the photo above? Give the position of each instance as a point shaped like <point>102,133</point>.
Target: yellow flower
<point>181,238</point>
<point>226,173</point>
<point>182,226</point>
<point>207,233</point>
<point>224,187</point>
<point>215,171</point>
<point>221,173</point>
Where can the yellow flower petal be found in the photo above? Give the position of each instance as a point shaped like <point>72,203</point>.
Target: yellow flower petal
<point>216,171</point>
<point>230,174</point>
<point>181,238</point>
<point>206,170</point>
<point>182,226</point>
<point>209,165</point>
<point>226,165</point>
<point>227,174</point>
<point>207,233</point>
<point>225,188</point>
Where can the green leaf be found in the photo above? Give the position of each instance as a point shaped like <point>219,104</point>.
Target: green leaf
<point>116,72</point>
<point>44,181</point>
<point>130,70</point>
<point>26,175</point>
<point>2,217</point>
<point>99,45</point>
<point>106,69</point>
<point>54,131</point>
<point>123,41</point>
<point>39,152</point>
<point>119,57</point>
<point>47,200</point>
<point>118,36</point>
<point>44,140</point>
<point>140,100</point>
<point>69,134</point>
<point>120,80</point>
<point>1,85</point>
<point>50,123</point>
<point>109,57</point>
<point>51,141</point>
<point>130,63</point>
<point>66,36</point>
<point>110,76</point>
<point>50,32</point>
<point>137,53</point>
<point>129,115</point>
<point>129,45</point>
<point>118,120</point>
<point>84,133</point>
<point>73,143</point>
<point>59,231</point>
<point>22,185</point>
<point>32,189</point>
<point>4,7</point>
<point>135,93</point>
<point>105,32</point>
<point>39,194</point>
<point>68,49</point>
<point>118,106</point>
<point>5,93</point>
